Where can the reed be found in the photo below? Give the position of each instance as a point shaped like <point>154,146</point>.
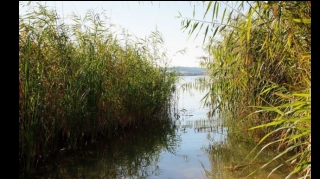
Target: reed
<point>79,82</point>
<point>259,55</point>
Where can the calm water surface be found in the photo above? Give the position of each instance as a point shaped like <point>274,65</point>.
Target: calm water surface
<point>188,147</point>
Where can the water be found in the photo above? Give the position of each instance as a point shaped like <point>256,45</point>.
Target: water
<point>189,158</point>
<point>190,146</point>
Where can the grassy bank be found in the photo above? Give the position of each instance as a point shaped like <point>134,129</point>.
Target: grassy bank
<point>259,55</point>
<point>78,82</point>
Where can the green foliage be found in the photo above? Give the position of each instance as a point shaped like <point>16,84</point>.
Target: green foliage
<point>259,56</point>
<point>78,82</point>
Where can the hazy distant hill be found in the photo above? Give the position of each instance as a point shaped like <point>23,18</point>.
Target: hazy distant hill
<point>188,71</point>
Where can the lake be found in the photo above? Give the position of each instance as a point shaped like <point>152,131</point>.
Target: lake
<point>188,146</point>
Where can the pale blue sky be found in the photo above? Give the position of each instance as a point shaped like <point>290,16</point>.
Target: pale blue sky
<point>142,18</point>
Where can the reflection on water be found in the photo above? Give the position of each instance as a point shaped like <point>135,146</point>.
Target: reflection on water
<point>134,154</point>
<point>229,159</point>
<point>188,146</point>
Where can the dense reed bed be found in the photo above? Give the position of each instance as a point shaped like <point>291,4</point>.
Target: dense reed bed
<point>259,55</point>
<point>79,82</point>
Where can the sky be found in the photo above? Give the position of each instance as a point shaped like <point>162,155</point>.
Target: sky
<point>141,18</point>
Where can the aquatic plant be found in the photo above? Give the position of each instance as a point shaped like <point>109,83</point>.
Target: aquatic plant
<point>259,56</point>
<point>78,81</point>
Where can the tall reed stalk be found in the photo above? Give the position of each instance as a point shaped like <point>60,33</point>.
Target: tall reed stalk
<point>259,55</point>
<point>78,82</point>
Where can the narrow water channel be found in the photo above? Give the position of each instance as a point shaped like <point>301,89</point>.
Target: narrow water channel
<point>190,146</point>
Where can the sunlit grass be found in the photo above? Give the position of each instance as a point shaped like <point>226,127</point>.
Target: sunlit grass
<point>78,82</point>
<point>261,73</point>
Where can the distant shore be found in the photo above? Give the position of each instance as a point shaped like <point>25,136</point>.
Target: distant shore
<point>188,71</point>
